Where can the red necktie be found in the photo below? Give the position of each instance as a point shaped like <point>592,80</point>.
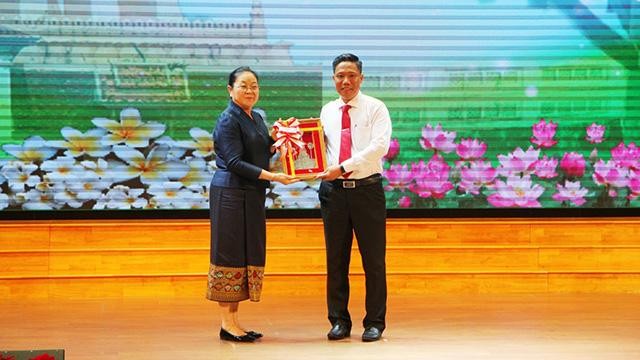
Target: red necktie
<point>345,138</point>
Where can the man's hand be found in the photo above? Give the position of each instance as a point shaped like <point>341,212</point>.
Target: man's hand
<point>331,173</point>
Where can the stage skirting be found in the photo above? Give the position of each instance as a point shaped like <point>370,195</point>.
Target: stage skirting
<point>141,258</point>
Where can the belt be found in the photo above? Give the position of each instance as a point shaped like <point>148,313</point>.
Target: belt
<point>354,183</point>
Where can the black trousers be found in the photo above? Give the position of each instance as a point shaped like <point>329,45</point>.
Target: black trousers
<point>345,211</point>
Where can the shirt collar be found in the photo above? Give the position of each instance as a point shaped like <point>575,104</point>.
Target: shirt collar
<point>353,102</point>
<point>238,110</point>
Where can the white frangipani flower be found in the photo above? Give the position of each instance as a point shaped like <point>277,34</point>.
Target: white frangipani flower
<point>101,202</point>
<point>174,153</point>
<point>98,167</point>
<point>64,196</point>
<point>198,176</point>
<point>165,140</point>
<point>78,143</point>
<point>123,198</point>
<point>130,130</point>
<point>38,200</point>
<point>152,204</point>
<point>88,186</point>
<point>298,194</point>
<point>62,169</point>
<point>2,178</point>
<point>170,194</point>
<point>202,142</point>
<point>199,199</point>
<point>34,149</point>
<point>4,200</point>
<point>46,184</point>
<point>19,175</point>
<point>152,168</point>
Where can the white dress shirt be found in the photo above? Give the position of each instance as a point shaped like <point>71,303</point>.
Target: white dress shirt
<point>370,134</point>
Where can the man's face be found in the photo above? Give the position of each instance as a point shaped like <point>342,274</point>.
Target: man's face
<point>347,79</point>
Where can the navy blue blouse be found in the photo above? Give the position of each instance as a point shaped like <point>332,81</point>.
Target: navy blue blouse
<point>242,147</point>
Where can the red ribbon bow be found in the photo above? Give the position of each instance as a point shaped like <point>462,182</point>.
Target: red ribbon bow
<point>288,137</point>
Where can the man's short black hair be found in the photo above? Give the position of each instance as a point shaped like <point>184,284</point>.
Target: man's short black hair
<point>348,57</point>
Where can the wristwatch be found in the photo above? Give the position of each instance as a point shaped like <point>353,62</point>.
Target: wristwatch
<point>342,170</point>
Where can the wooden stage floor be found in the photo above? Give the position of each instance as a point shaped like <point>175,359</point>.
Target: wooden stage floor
<point>536,326</point>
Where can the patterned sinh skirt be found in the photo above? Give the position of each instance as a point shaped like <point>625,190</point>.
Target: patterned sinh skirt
<point>238,232</point>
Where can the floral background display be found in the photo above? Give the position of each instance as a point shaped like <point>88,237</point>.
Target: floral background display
<point>130,164</point>
<point>121,165</point>
<point>455,169</point>
<point>494,103</point>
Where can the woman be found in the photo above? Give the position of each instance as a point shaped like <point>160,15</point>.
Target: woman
<point>243,147</point>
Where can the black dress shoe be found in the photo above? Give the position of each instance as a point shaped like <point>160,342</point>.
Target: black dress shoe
<point>339,331</point>
<point>254,334</point>
<point>371,334</point>
<point>225,335</point>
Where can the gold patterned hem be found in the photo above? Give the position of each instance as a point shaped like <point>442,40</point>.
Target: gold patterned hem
<point>255,274</point>
<point>233,284</point>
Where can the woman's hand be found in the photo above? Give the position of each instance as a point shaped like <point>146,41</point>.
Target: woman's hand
<point>284,178</point>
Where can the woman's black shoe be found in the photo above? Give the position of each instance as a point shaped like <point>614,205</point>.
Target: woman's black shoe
<point>225,335</point>
<point>254,334</point>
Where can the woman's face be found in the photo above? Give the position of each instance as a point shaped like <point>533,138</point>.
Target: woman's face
<point>245,91</point>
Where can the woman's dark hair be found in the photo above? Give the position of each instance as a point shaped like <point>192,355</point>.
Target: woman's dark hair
<point>235,73</point>
<point>348,57</point>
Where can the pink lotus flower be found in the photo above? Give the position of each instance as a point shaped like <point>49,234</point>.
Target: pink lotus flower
<point>543,133</point>
<point>417,169</point>
<point>477,175</point>
<point>610,174</point>
<point>572,192</point>
<point>437,139</point>
<point>398,177</point>
<point>431,180</point>
<point>634,184</point>
<point>518,162</point>
<point>628,157</point>
<point>595,133</point>
<point>404,202</point>
<point>394,150</point>
<point>573,164</point>
<point>545,168</point>
<point>516,192</point>
<point>471,149</point>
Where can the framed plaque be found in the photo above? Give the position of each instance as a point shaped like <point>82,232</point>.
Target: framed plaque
<point>311,160</point>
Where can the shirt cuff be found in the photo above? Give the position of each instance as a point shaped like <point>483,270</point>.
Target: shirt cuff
<point>346,166</point>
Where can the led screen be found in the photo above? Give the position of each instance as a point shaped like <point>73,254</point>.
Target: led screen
<point>110,104</point>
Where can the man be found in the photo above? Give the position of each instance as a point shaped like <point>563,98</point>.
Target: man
<point>358,132</point>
